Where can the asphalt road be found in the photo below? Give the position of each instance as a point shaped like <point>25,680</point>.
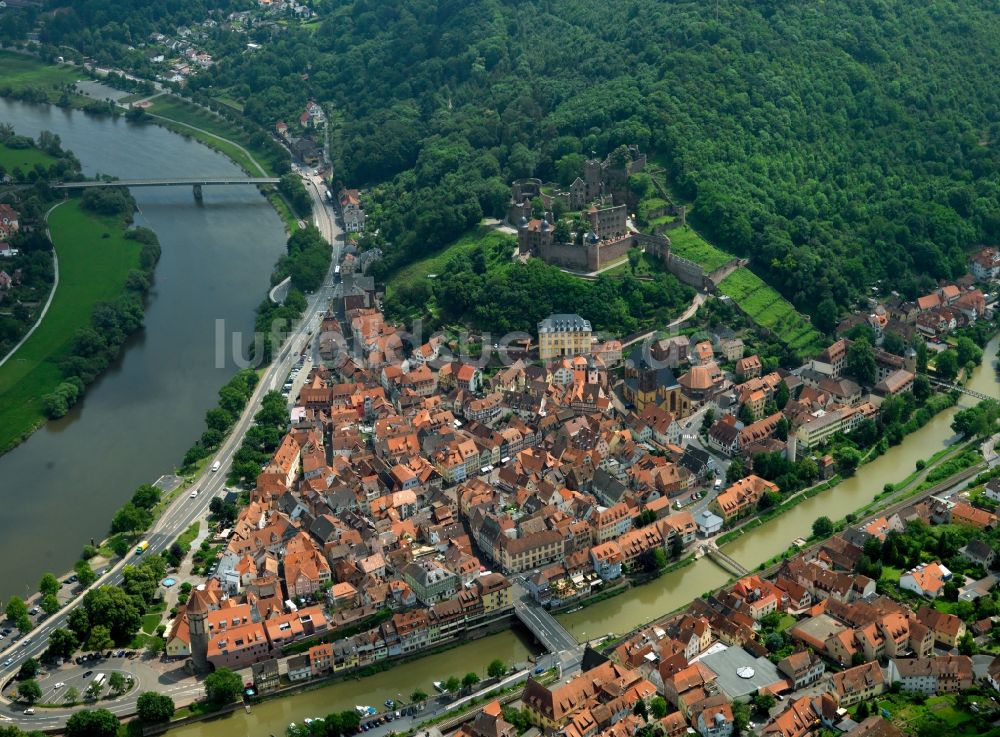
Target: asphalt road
<point>549,632</point>
<point>184,510</point>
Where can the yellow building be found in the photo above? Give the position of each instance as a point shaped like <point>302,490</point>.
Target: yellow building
<point>494,590</point>
<point>563,335</point>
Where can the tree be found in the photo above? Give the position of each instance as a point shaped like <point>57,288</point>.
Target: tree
<point>452,684</point>
<point>29,669</point>
<point>736,471</point>
<point>152,707</point>
<point>114,609</point>
<point>655,560</point>
<point>99,638</point>
<point>29,691</point>
<point>131,519</point>
<point>922,355</point>
<point>708,420</point>
<point>634,257</point>
<point>49,585</point>
<point>640,709</point>
<point>860,362</point>
<point>223,687</point>
<point>967,352</point>
<point>62,644</point>
<point>84,573</point>
<point>676,547</point>
<point>50,604</point>
<point>741,715</point>
<point>781,394</point>
<point>146,496</point>
<point>967,644</point>
<point>470,679</point>
<point>496,669</point>
<point>95,723</point>
<point>847,459</point>
<point>946,365</point>
<point>892,343</point>
<point>781,428</point>
<point>822,527</point>
<point>862,711</point>
<point>418,695</point>
<point>116,682</point>
<point>72,695</point>
<point>16,609</point>
<point>658,706</point>
<point>921,388</point>
<point>763,702</point>
<point>746,415</point>
<point>826,315</point>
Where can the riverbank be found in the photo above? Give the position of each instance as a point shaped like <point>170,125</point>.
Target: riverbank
<point>95,259</point>
<point>30,79</point>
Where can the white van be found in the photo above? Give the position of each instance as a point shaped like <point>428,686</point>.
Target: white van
<point>216,466</point>
<point>718,484</point>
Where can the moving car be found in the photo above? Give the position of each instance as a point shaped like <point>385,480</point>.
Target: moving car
<point>194,493</point>
<point>216,466</point>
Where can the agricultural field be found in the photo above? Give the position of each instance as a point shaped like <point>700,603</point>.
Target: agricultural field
<point>687,243</point>
<point>770,310</point>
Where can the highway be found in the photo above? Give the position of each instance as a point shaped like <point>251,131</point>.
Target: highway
<point>183,511</point>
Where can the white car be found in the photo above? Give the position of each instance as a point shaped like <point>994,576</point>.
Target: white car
<point>59,685</point>
<point>194,493</point>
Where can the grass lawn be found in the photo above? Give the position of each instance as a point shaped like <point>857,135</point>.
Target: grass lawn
<point>19,72</point>
<point>435,263</point>
<point>787,620</point>
<point>170,108</point>
<point>23,158</point>
<point>150,622</point>
<point>687,243</point>
<point>891,574</point>
<point>148,642</point>
<point>92,269</point>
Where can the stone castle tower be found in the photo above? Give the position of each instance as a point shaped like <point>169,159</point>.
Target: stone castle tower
<point>198,608</point>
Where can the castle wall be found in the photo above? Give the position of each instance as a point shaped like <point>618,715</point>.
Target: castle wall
<point>567,255</point>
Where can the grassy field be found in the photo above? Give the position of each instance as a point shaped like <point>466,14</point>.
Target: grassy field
<point>23,158</point>
<point>687,243</point>
<point>171,110</point>
<point>92,268</point>
<point>19,72</point>
<point>434,263</point>
<point>772,311</point>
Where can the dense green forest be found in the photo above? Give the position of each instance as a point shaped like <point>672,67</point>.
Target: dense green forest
<point>837,143</point>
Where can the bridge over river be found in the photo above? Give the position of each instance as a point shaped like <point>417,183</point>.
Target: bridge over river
<point>196,183</point>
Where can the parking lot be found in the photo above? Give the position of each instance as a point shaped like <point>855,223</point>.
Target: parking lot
<point>56,682</point>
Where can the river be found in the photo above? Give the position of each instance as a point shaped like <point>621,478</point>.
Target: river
<point>618,614</point>
<point>61,487</point>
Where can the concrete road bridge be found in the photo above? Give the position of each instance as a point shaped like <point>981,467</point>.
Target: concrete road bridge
<point>196,183</point>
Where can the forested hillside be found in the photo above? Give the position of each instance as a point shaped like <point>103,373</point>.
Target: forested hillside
<point>836,143</point>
